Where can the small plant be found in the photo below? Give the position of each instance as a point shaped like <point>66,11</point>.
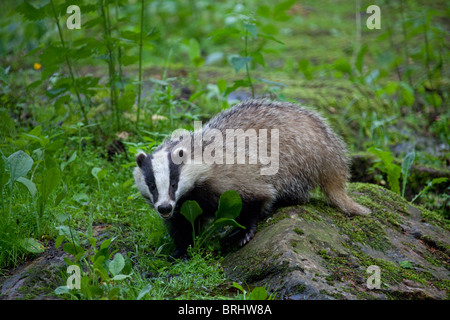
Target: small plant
<point>258,293</point>
<point>428,187</point>
<point>102,270</point>
<point>230,205</point>
<point>393,170</point>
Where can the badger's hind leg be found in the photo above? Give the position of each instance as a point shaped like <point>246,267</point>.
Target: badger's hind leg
<point>336,193</point>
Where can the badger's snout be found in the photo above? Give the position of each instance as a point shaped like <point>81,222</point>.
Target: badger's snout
<point>165,210</point>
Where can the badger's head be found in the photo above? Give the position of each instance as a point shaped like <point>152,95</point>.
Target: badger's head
<point>163,179</point>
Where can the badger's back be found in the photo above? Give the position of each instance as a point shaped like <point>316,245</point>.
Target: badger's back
<point>309,151</point>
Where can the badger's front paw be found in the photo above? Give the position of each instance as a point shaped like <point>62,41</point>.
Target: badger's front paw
<point>247,235</point>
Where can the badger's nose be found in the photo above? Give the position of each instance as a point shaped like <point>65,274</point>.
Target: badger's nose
<point>165,209</point>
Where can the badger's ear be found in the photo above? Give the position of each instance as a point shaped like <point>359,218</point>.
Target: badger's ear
<point>140,157</point>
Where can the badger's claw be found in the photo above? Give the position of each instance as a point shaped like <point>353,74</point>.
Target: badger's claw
<point>247,237</point>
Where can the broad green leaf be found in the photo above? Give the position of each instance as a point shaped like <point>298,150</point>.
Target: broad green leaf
<point>195,53</point>
<point>99,173</point>
<point>62,290</point>
<point>19,164</point>
<point>117,264</point>
<point>394,173</point>
<point>342,65</point>
<point>230,205</point>
<point>259,293</point>
<point>61,195</point>
<point>50,181</point>
<point>32,245</point>
<point>191,210</point>
<point>29,185</point>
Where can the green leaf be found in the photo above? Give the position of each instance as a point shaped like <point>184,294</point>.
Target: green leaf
<point>62,290</point>
<point>251,28</point>
<point>98,173</point>
<point>342,65</point>
<point>144,291</point>
<point>120,277</point>
<point>59,241</point>
<point>117,264</point>
<point>240,62</point>
<point>230,205</point>
<point>393,171</point>
<point>72,248</point>
<point>50,181</point>
<point>71,159</point>
<point>393,176</point>
<point>194,52</point>
<point>406,264</point>
<point>32,245</point>
<point>191,210</point>
<point>19,164</point>
<point>61,195</point>
<point>258,58</point>
<point>113,292</point>
<point>4,76</point>
<point>407,93</point>
<point>29,185</point>
<point>223,222</point>
<point>406,166</point>
<point>238,286</point>
<point>259,293</point>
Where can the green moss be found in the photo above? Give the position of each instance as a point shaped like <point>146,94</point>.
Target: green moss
<point>298,231</point>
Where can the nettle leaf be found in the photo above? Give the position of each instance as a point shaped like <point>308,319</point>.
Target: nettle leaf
<point>251,28</point>
<point>32,13</point>
<point>230,205</point>
<point>240,62</point>
<point>191,210</point>
<point>19,164</point>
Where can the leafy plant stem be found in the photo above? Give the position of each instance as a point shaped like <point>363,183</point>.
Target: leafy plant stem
<point>69,65</point>
<point>405,44</point>
<point>111,66</point>
<point>140,64</point>
<point>427,58</point>
<point>246,64</point>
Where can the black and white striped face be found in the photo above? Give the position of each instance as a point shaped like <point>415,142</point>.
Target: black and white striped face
<point>157,177</point>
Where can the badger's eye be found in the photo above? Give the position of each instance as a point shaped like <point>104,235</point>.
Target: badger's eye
<point>174,185</point>
<point>152,187</point>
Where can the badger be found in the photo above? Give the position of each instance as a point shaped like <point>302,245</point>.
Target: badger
<point>272,153</point>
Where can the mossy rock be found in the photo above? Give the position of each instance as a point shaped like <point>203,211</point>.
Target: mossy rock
<point>313,251</point>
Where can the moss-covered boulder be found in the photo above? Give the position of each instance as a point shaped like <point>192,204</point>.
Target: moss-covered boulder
<point>313,251</point>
